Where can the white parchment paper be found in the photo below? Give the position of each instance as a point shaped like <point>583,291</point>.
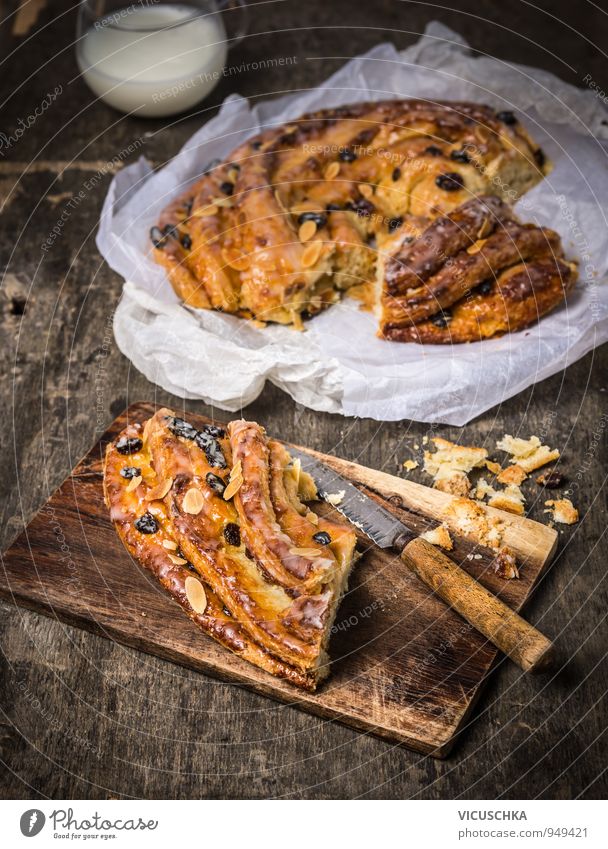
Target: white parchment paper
<point>338,365</point>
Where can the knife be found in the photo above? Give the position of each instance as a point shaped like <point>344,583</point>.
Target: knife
<point>526,646</point>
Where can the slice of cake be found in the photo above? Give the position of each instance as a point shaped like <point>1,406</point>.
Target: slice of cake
<point>475,273</point>
<point>218,516</point>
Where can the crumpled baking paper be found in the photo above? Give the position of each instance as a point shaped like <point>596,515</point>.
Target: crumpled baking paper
<point>338,365</point>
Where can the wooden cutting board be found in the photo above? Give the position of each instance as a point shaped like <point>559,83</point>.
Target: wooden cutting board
<point>406,667</point>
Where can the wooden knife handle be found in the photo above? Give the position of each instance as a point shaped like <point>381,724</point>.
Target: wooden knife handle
<point>526,646</point>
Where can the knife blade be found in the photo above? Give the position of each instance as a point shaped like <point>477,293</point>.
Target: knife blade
<point>523,643</point>
<point>366,514</point>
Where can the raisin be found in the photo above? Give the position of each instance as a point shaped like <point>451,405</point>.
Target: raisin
<point>129,445</point>
<point>450,182</point>
<point>322,538</point>
<point>158,238</point>
<point>215,483</point>
<point>396,174</point>
<point>394,224</point>
<point>333,207</point>
<point>234,166</point>
<point>214,431</point>
<point>434,150</point>
<point>170,231</point>
<point>130,472</point>
<point>186,241</point>
<point>551,480</point>
<point>227,188</point>
<point>256,144</point>
<point>442,319</point>
<point>232,534</point>
<point>460,156</point>
<point>212,449</point>
<point>540,157</point>
<point>318,217</point>
<point>485,288</point>
<point>506,117</point>
<point>147,524</point>
<point>182,428</point>
<point>226,612</point>
<point>362,207</point>
<point>347,155</point>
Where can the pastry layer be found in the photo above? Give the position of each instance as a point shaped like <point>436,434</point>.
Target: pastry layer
<point>271,587</point>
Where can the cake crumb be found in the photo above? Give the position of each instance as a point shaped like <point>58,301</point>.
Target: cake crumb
<point>529,454</point>
<point>512,475</point>
<point>563,511</point>
<point>456,484</point>
<point>470,519</point>
<point>449,464</point>
<point>335,498</point>
<point>511,498</point>
<point>439,536</point>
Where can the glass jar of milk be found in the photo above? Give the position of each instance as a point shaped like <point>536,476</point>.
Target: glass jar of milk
<point>154,58</point>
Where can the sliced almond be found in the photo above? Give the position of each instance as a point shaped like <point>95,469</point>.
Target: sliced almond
<point>232,488</point>
<point>332,170</point>
<point>193,502</point>
<point>485,229</point>
<point>233,175</point>
<point>179,561</point>
<point>155,510</point>
<point>133,483</point>
<point>168,543</point>
<point>206,211</point>
<point>307,231</point>
<point>224,203</point>
<point>236,470</point>
<point>311,254</point>
<point>306,552</point>
<point>476,246</point>
<point>196,595</point>
<point>160,490</point>
<point>312,518</point>
<point>366,190</point>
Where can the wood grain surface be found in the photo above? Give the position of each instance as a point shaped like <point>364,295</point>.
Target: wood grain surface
<point>405,666</point>
<point>85,717</point>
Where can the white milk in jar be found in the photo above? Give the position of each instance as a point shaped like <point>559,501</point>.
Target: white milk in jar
<point>153,60</point>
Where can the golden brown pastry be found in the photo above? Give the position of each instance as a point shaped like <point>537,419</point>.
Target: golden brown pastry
<point>475,273</point>
<point>300,211</point>
<point>217,517</point>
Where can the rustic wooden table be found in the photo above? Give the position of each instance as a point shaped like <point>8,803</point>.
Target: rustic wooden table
<point>84,717</point>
